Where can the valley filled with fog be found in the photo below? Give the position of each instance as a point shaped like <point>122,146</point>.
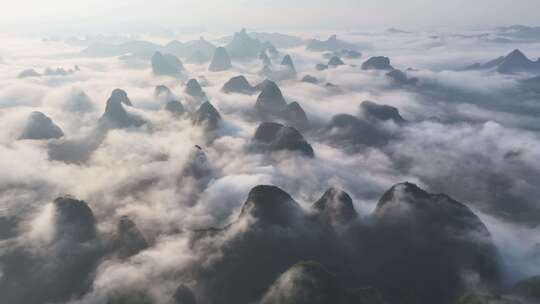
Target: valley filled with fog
<point>392,166</point>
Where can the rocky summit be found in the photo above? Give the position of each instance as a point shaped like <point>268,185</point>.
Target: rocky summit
<point>40,126</point>
<point>220,61</point>
<point>377,63</point>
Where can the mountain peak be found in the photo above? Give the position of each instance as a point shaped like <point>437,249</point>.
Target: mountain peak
<point>221,61</point>
<point>337,205</point>
<point>238,84</point>
<point>74,219</point>
<point>166,64</point>
<point>271,136</point>
<point>271,99</point>
<point>207,115</point>
<point>377,63</point>
<point>271,205</point>
<point>288,62</point>
<point>194,89</point>
<point>381,112</point>
<point>516,54</point>
<point>115,116</point>
<point>40,126</point>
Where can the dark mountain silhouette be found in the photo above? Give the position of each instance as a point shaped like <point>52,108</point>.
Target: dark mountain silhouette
<point>399,77</point>
<point>74,219</point>
<point>411,232</point>
<point>377,63</point>
<point>350,132</point>
<point>271,105</point>
<point>331,44</point>
<point>310,79</point>
<point>166,64</point>
<point>287,61</point>
<point>336,206</point>
<point>381,112</point>
<point>220,61</point>
<point>68,264</point>
<point>514,62</point>
<point>270,100</point>
<point>238,84</point>
<point>270,137</point>
<point>295,116</point>
<point>115,116</point>
<point>129,240</point>
<point>40,126</point>
<point>175,107</point>
<point>207,116</point>
<point>311,283</point>
<point>194,89</point>
<point>335,61</point>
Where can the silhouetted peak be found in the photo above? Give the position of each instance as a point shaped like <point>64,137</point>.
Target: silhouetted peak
<point>288,62</point>
<point>115,116</point>
<point>40,126</point>
<point>194,89</point>
<point>377,63</point>
<point>310,79</point>
<point>163,91</point>
<point>166,64</point>
<point>381,112</point>
<point>270,204</point>
<point>335,61</point>
<point>197,165</point>
<point>306,283</point>
<point>516,55</point>
<point>352,132</point>
<point>74,219</point>
<point>407,188</point>
<point>401,78</point>
<point>238,84</point>
<point>271,99</point>
<point>184,295</point>
<point>516,61</point>
<point>175,107</point>
<point>337,205</point>
<point>120,96</point>
<point>130,239</point>
<point>405,201</point>
<point>221,61</point>
<point>295,115</point>
<point>207,116</point>
<point>271,136</point>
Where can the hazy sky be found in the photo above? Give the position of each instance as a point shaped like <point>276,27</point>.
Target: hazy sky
<point>100,15</point>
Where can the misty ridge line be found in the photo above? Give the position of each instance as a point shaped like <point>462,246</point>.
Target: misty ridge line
<point>271,168</point>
